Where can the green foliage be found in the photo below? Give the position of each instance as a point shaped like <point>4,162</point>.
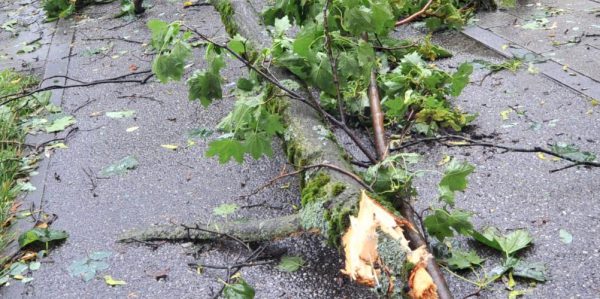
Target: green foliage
<point>205,85</point>
<point>416,88</point>
<point>127,9</point>
<point>442,223</point>
<point>238,289</point>
<point>454,179</point>
<point>42,235</point>
<point>391,175</point>
<point>571,151</point>
<point>120,167</point>
<point>461,260</point>
<point>508,244</point>
<point>58,9</point>
<point>88,267</point>
<point>172,49</point>
<point>290,263</point>
<point>225,209</point>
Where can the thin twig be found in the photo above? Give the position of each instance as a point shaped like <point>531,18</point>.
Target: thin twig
<point>415,15</point>
<point>234,238</point>
<point>13,97</point>
<point>240,265</point>
<point>113,38</point>
<point>333,61</point>
<point>471,142</point>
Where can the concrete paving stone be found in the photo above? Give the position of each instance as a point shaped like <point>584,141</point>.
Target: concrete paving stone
<point>587,61</point>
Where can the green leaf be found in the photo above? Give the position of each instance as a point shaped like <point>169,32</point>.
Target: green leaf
<point>572,152</point>
<point>225,209</point>
<point>100,255</point>
<point>442,224</point>
<point>60,124</point>
<point>237,44</point>
<point>565,236</point>
<point>290,263</point>
<point>461,260</point>
<point>159,30</point>
<point>514,241</point>
<point>113,282</point>
<point>460,79</point>
<point>120,114</point>
<point>257,144</point>
<point>487,237</point>
<point>170,66</point>
<point>508,244</point>
<point>238,290</point>
<point>455,179</point>
<point>226,149</point>
<point>200,133</point>
<point>43,235</point>
<point>17,268</point>
<point>34,266</point>
<point>273,124</point>
<point>282,25</point>
<point>245,84</point>
<point>120,167</point>
<point>535,271</point>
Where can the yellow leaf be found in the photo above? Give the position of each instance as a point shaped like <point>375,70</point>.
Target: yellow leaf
<point>187,3</point>
<point>533,69</point>
<point>191,142</point>
<point>18,277</point>
<point>170,146</point>
<point>565,67</point>
<point>16,81</point>
<point>511,281</point>
<point>457,142</point>
<point>594,102</point>
<point>131,129</point>
<point>505,114</point>
<point>444,160</point>
<point>504,47</point>
<point>113,282</point>
<point>541,156</point>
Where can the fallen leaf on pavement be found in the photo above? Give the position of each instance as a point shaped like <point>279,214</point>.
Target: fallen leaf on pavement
<point>113,282</point>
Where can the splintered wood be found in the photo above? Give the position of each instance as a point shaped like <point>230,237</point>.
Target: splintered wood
<point>362,257</point>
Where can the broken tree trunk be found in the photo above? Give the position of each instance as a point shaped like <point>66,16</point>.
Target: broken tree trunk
<point>370,232</point>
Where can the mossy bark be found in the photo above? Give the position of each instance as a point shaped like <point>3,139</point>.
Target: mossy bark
<point>247,231</point>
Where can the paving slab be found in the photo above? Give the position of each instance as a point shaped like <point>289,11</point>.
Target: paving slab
<point>572,27</point>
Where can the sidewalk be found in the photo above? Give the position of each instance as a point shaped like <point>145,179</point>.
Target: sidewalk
<point>166,186</point>
<point>565,33</point>
<point>507,190</point>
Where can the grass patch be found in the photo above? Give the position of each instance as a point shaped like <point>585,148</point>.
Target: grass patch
<point>12,134</point>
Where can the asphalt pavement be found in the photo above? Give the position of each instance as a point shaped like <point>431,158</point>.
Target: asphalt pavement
<point>507,190</point>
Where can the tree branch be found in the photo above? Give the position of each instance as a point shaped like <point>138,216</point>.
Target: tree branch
<point>415,15</point>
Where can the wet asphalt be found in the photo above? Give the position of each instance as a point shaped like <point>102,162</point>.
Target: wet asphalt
<point>507,190</point>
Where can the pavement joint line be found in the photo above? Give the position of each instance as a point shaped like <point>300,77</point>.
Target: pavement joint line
<point>580,83</point>
<point>61,43</point>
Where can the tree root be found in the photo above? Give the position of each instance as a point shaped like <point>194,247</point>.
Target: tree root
<point>242,231</point>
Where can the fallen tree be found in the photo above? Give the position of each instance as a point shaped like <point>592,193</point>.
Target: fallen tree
<point>371,220</point>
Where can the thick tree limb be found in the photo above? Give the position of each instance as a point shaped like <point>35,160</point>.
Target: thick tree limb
<point>246,231</point>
